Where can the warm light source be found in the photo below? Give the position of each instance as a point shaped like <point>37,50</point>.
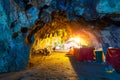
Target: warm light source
<point>74,42</point>
<point>78,42</point>
<point>75,39</point>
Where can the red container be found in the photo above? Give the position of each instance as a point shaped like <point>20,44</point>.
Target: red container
<point>76,53</point>
<point>84,54</point>
<point>113,58</point>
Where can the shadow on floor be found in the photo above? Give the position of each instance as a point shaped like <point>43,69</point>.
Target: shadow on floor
<point>92,70</point>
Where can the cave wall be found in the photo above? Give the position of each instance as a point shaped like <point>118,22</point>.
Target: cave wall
<point>15,14</point>
<point>110,37</point>
<point>14,53</point>
<point>108,6</point>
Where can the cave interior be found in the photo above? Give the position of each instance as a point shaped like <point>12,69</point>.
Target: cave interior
<point>29,25</point>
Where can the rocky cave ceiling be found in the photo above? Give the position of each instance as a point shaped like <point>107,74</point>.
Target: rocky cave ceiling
<point>88,12</point>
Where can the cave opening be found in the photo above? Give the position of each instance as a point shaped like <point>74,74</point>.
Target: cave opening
<point>62,34</point>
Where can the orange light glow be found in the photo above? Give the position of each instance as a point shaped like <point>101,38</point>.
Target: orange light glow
<point>80,41</point>
<point>75,39</point>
